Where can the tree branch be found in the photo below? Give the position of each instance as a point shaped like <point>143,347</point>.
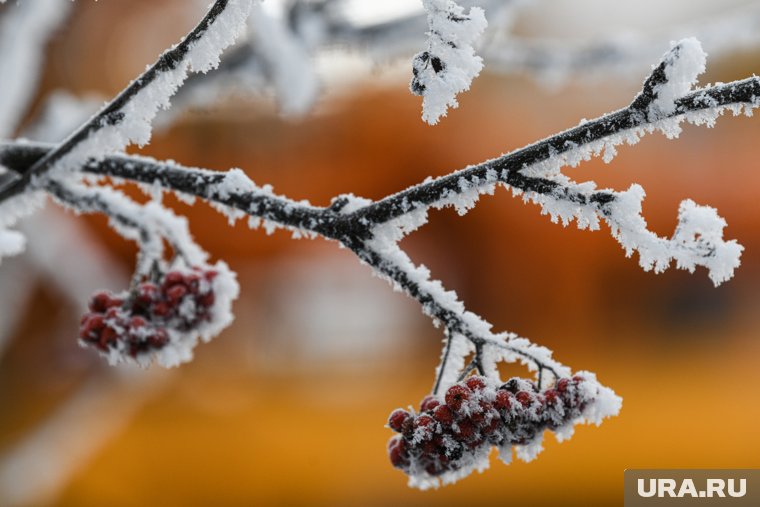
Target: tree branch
<point>122,108</point>
<point>513,170</point>
<point>372,229</point>
<point>509,168</point>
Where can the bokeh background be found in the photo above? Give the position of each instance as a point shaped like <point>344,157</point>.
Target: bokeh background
<point>287,406</point>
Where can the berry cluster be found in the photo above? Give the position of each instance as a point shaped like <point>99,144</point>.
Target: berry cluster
<point>138,321</point>
<point>450,433</point>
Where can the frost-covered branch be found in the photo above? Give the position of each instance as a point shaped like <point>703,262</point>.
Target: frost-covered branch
<point>665,102</point>
<point>466,332</point>
<point>127,118</point>
<point>532,172</point>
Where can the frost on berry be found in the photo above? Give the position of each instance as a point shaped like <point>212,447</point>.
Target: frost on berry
<point>453,435</point>
<point>163,317</point>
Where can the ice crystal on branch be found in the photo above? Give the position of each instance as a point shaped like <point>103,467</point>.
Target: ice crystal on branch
<point>697,240</point>
<point>449,64</point>
<point>673,78</point>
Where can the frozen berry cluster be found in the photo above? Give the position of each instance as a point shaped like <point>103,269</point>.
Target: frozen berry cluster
<point>138,321</point>
<point>449,434</point>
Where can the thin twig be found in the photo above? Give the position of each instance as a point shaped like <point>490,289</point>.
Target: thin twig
<point>113,112</point>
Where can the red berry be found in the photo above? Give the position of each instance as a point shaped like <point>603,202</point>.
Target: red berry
<point>397,453</point>
<point>173,278</point>
<point>161,309</point>
<point>432,469</point>
<point>423,421</point>
<point>429,403</point>
<point>443,414</point>
<point>395,441</point>
<point>478,419</point>
<point>108,336</point>
<point>479,416</point>
<point>502,401</point>
<point>456,396</point>
<point>112,313</point>
<point>397,419</point>
<point>159,338</point>
<point>137,322</point>
<point>147,293</point>
<point>193,282</point>
<point>407,427</point>
<point>476,383</point>
<point>206,300</point>
<point>491,427</point>
<point>562,385</point>
<point>175,293</point>
<point>465,430</point>
<point>525,398</point>
<point>551,396</point>
<point>429,448</point>
<point>100,302</point>
<point>92,325</point>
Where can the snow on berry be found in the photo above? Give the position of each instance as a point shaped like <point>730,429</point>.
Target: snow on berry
<point>161,318</point>
<point>449,439</point>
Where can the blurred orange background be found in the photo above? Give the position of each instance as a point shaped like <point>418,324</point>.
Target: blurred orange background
<point>287,406</point>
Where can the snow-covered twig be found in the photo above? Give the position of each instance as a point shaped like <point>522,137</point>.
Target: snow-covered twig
<point>127,118</point>
<point>449,64</point>
<point>466,332</point>
<point>274,53</point>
